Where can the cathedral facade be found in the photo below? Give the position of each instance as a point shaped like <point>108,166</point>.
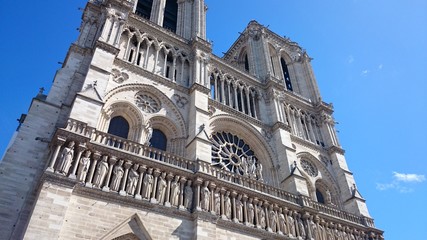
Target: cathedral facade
<point>146,134</point>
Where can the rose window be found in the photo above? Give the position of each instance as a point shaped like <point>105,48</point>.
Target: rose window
<point>309,168</point>
<point>231,153</point>
<point>147,103</point>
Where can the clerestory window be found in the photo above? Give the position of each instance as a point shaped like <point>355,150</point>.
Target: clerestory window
<point>158,140</point>
<point>119,126</point>
<point>143,8</point>
<point>286,77</point>
<point>170,15</point>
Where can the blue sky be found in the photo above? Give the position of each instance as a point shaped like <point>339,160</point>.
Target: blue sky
<point>370,60</point>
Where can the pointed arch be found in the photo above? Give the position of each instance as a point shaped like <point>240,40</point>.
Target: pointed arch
<point>131,228</point>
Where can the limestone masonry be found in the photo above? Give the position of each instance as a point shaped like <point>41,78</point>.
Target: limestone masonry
<point>146,134</point>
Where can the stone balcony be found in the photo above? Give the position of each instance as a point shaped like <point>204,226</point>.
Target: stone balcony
<point>117,168</point>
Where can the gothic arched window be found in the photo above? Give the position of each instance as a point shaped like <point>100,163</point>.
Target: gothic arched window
<point>246,63</point>
<point>170,17</point>
<point>286,74</point>
<point>119,127</point>
<point>320,197</point>
<point>143,8</point>
<point>231,153</point>
<point>158,140</point>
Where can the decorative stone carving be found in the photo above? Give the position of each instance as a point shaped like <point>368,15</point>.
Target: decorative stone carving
<point>175,191</point>
<point>273,220</point>
<point>239,210</point>
<point>148,133</point>
<point>132,180</point>
<point>118,173</point>
<point>180,101</point>
<point>101,172</point>
<point>161,188</point>
<point>67,155</point>
<point>217,202</point>
<point>118,76</point>
<point>188,195</point>
<point>301,228</point>
<point>261,215</point>
<point>84,166</point>
<point>147,103</point>
<point>282,224</point>
<point>147,185</point>
<point>291,223</point>
<point>204,198</point>
<point>231,153</point>
<point>251,213</point>
<point>227,205</point>
<point>309,168</point>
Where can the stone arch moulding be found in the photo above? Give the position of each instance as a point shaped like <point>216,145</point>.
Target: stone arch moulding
<point>126,110</point>
<point>324,176</point>
<point>131,228</point>
<point>252,137</point>
<point>171,110</point>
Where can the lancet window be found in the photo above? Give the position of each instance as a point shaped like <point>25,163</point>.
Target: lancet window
<point>143,8</point>
<point>170,15</point>
<point>286,77</point>
<point>303,125</point>
<point>119,126</point>
<point>159,58</point>
<point>158,140</point>
<point>231,153</point>
<point>234,94</point>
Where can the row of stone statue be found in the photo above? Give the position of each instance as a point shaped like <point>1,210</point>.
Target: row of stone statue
<point>255,213</point>
<point>126,178</point>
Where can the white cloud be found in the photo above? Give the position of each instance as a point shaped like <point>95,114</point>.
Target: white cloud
<point>400,182</point>
<point>380,66</point>
<point>350,59</point>
<point>408,177</point>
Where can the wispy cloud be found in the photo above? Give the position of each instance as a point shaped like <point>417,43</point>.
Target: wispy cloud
<point>364,72</point>
<point>350,59</point>
<point>380,67</point>
<point>400,182</point>
<point>409,177</point>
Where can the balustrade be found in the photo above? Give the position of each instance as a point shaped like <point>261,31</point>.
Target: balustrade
<point>196,186</point>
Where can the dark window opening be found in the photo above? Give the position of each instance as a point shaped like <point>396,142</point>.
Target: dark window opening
<point>119,127</point>
<point>170,17</point>
<point>158,140</point>
<point>246,63</point>
<point>167,71</point>
<point>143,8</point>
<point>319,196</point>
<point>130,55</point>
<point>286,74</point>
<point>138,61</point>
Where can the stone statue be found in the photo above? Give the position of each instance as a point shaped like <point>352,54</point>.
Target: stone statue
<point>148,130</point>
<point>244,166</point>
<point>328,197</point>
<point>227,203</point>
<point>188,195</point>
<point>118,173</point>
<point>313,228</point>
<point>262,217</point>
<point>67,155</point>
<point>239,210</point>
<point>133,176</point>
<point>291,223</point>
<point>175,192</point>
<point>161,188</point>
<point>83,166</point>
<point>217,199</point>
<point>204,199</point>
<point>147,184</point>
<point>101,172</point>
<point>273,220</point>
<point>259,172</point>
<point>252,167</point>
<point>282,224</point>
<point>251,213</point>
<point>301,228</point>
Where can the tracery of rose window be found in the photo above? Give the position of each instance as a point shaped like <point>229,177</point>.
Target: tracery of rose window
<point>146,103</point>
<point>231,153</point>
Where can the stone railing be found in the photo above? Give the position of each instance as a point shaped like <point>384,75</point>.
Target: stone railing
<point>106,163</point>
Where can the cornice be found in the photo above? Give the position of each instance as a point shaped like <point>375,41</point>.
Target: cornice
<point>335,149</point>
<point>198,87</point>
<point>308,144</point>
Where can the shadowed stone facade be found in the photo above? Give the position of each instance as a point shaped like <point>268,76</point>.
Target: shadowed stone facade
<point>146,134</point>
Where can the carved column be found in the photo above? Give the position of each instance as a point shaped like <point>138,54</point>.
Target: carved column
<point>59,141</point>
<point>137,52</point>
<point>212,197</point>
<point>245,212</point>
<point>222,192</point>
<point>141,170</point>
<point>127,165</point>
<point>233,206</point>
<point>96,156</point>
<point>197,184</point>
<point>248,102</point>
<point>256,208</point>
<point>144,65</point>
<point>80,149</point>
<point>306,222</point>
<point>156,174</point>
<point>236,102</point>
<point>111,161</point>
<point>222,91</point>
<point>168,189</point>
<point>267,215</point>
